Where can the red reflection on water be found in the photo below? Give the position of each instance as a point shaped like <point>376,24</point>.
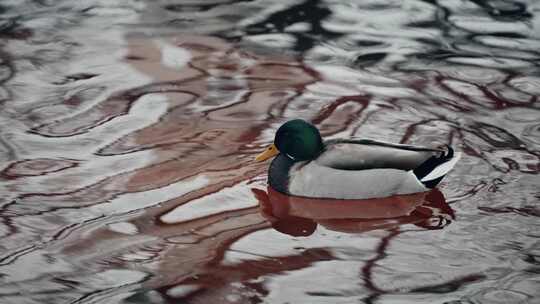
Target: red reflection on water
<point>299,216</point>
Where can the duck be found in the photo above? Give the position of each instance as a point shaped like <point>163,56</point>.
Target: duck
<point>306,165</point>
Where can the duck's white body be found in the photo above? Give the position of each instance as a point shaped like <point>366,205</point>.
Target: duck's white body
<point>314,180</point>
<point>362,169</point>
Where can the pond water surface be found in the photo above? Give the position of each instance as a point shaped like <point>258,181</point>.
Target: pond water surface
<point>128,131</point>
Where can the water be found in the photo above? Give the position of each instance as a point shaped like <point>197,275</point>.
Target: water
<point>128,129</point>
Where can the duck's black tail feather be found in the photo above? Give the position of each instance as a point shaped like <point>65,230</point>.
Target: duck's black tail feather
<point>433,170</point>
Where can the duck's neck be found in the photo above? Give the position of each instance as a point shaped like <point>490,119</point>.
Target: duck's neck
<point>278,173</point>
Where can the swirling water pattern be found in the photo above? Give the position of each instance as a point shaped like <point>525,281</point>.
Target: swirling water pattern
<point>128,128</point>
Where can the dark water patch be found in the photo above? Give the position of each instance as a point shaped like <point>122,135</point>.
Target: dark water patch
<point>450,286</point>
<point>369,59</point>
<point>497,137</point>
<point>310,12</point>
<point>504,10</point>
<point>194,6</point>
<point>76,77</point>
<point>526,211</point>
<point>12,29</point>
<point>36,167</point>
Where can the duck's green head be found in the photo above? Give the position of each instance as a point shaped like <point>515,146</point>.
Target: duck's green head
<point>297,139</point>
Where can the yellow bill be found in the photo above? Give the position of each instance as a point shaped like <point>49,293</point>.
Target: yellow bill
<point>271,151</point>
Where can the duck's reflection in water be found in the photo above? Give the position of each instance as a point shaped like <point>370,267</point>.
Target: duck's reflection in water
<point>299,216</point>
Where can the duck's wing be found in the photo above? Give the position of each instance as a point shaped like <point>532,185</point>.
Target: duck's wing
<point>365,154</point>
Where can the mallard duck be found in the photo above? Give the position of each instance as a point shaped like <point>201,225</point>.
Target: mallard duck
<point>305,165</point>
